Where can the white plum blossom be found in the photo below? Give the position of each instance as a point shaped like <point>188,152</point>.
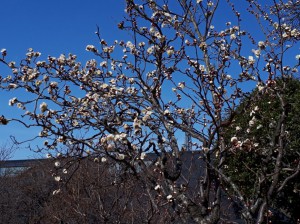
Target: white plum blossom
<point>259,127</point>
<point>152,30</point>
<point>103,159</point>
<point>157,187</point>
<point>251,123</point>
<point>53,84</point>
<point>260,86</point>
<point>238,128</point>
<point>205,149</point>
<point>256,52</point>
<point>129,44</point>
<point>137,125</point>
<point>170,52</point>
<point>234,140</point>
<point>103,64</point>
<point>261,44</point>
<point>43,107</point>
<point>12,86</point>
<point>297,57</point>
<point>181,85</point>
<point>57,178</point>
<point>228,77</point>
<point>143,155</point>
<point>150,50</point>
<point>252,113</point>
<point>251,60</point>
<point>146,117</point>
<point>56,192</point>
<point>60,139</point>
<point>20,105</point>
<point>104,86</point>
<point>142,44</point>
<point>57,164</point>
<point>38,82</point>
<point>167,112</point>
<point>91,48</point>
<point>285,35</point>
<point>169,197</point>
<point>12,101</point>
<point>110,137</point>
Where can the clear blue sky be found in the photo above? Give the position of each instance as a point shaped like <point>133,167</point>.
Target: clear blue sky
<point>52,27</point>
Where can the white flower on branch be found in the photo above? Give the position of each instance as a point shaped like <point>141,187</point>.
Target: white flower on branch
<point>12,101</point>
<point>259,127</point>
<point>252,122</point>
<point>91,48</point>
<point>169,197</point>
<point>181,85</point>
<point>167,112</point>
<point>234,140</point>
<point>55,192</point>
<point>261,44</point>
<point>170,52</point>
<point>3,52</point>
<point>251,60</point>
<point>143,155</point>
<point>256,52</point>
<point>146,118</point>
<point>252,113</point>
<point>238,128</point>
<point>150,50</point>
<point>57,178</point>
<point>233,36</point>
<point>53,85</point>
<point>38,82</point>
<point>43,107</point>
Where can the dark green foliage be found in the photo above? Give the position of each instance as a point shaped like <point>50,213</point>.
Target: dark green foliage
<point>251,161</point>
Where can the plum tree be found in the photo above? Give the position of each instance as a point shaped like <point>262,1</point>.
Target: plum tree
<point>185,61</point>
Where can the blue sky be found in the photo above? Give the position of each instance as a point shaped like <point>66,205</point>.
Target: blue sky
<point>55,27</point>
<point>52,27</point>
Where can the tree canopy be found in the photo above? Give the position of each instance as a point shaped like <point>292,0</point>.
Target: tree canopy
<point>254,149</point>
<point>183,72</point>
